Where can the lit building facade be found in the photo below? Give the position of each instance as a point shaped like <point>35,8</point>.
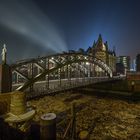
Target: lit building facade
<point>125,60</point>
<point>101,51</point>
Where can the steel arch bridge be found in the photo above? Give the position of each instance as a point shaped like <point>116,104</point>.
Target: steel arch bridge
<point>59,67</point>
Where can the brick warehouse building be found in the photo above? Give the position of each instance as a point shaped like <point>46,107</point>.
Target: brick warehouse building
<point>100,50</point>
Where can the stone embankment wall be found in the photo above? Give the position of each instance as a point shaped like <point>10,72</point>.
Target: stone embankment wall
<point>5,100</point>
<point>136,86</point>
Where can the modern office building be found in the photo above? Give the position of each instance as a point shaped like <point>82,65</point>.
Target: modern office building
<point>125,60</point>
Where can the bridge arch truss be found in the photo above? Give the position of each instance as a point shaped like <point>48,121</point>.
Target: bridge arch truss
<point>57,67</point>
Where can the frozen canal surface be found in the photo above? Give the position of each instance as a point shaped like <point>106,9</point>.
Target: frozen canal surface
<point>103,118</point>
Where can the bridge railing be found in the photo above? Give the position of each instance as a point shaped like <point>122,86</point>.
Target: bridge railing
<point>64,87</point>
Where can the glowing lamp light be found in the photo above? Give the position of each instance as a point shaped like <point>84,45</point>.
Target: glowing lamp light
<point>87,63</point>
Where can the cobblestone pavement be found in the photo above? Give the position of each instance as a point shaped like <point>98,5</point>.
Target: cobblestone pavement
<point>103,118</point>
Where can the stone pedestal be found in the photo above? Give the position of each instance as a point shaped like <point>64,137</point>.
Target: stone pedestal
<point>48,127</point>
<point>19,117</point>
<point>5,78</point>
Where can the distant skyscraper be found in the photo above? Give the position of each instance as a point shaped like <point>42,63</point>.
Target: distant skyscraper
<point>138,63</point>
<point>125,60</point>
<point>134,65</point>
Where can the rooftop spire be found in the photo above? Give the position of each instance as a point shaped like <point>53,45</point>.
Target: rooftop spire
<point>106,44</point>
<point>94,44</point>
<point>100,38</point>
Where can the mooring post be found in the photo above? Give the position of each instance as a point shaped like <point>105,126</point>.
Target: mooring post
<point>48,127</point>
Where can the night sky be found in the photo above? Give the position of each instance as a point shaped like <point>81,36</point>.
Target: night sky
<point>32,28</point>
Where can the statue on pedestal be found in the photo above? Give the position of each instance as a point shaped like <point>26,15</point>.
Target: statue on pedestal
<point>3,54</point>
<point>5,73</point>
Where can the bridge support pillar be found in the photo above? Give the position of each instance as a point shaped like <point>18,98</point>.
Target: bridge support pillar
<point>5,78</point>
<point>69,74</point>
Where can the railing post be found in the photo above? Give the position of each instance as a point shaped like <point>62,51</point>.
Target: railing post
<point>59,76</point>
<point>69,74</point>
<point>47,76</point>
